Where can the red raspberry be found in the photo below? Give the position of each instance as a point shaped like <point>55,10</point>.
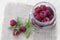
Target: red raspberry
<point>45,19</point>
<point>15,32</point>
<point>50,9</point>
<point>48,13</point>
<point>33,21</point>
<point>37,9</point>
<point>22,29</point>
<point>12,22</point>
<point>37,17</point>
<point>51,17</point>
<point>35,14</point>
<point>43,14</point>
<point>43,7</point>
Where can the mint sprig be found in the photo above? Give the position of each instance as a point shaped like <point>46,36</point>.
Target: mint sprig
<point>12,27</point>
<point>18,22</point>
<point>28,27</point>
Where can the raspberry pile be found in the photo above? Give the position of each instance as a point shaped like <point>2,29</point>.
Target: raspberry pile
<point>43,13</point>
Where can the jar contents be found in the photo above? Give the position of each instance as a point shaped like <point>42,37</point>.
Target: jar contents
<point>43,13</point>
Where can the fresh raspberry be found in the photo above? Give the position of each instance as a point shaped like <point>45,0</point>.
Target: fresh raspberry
<point>48,13</point>
<point>51,17</point>
<point>35,14</point>
<point>43,14</point>
<point>12,22</point>
<point>37,17</point>
<point>32,20</point>
<point>43,7</point>
<point>50,9</point>
<point>23,29</point>
<point>37,9</point>
<point>45,19</point>
<point>15,32</point>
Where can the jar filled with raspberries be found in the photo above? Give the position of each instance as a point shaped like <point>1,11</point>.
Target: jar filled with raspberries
<point>44,15</point>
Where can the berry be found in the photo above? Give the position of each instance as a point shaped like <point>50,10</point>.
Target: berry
<point>51,17</point>
<point>43,7</point>
<point>23,29</point>
<point>43,14</point>
<point>15,32</point>
<point>37,9</point>
<point>50,9</point>
<point>45,19</point>
<point>35,14</point>
<point>12,22</point>
<point>33,21</point>
<point>37,17</point>
<point>48,13</point>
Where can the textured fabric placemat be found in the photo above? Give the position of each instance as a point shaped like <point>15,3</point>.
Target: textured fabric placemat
<point>14,10</point>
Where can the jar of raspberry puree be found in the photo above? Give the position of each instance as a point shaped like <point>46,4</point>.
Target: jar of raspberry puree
<point>43,15</point>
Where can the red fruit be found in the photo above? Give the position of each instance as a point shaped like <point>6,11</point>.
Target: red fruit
<point>37,17</point>
<point>43,7</point>
<point>22,29</point>
<point>51,17</point>
<point>15,32</point>
<point>48,13</point>
<point>33,21</point>
<point>43,14</point>
<point>35,14</point>
<point>45,19</point>
<point>50,9</point>
<point>12,22</point>
<point>37,9</point>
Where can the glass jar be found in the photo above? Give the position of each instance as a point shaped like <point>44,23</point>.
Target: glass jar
<point>48,24</point>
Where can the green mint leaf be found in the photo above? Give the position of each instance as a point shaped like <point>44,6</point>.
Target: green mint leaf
<point>28,31</point>
<point>29,28</point>
<point>28,23</point>
<point>12,27</point>
<point>18,22</point>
